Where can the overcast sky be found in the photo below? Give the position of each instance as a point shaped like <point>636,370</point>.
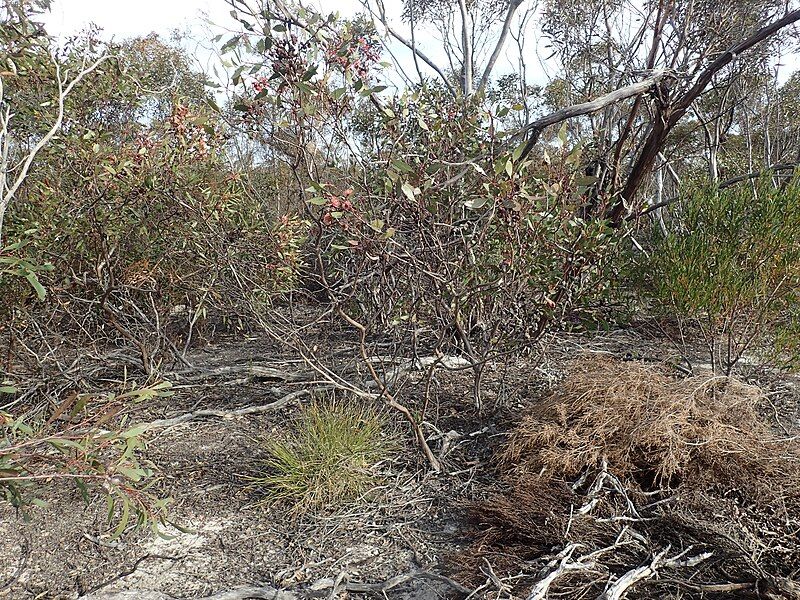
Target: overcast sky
<point>122,19</point>
<point>139,17</point>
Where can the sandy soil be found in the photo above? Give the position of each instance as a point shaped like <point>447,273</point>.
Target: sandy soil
<point>413,523</point>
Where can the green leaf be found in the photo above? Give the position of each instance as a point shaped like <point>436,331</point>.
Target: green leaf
<point>478,168</point>
<point>123,522</point>
<point>8,389</point>
<point>562,134</point>
<point>402,166</point>
<point>310,72</point>
<point>135,431</point>
<point>132,474</point>
<point>34,281</point>
<point>476,203</point>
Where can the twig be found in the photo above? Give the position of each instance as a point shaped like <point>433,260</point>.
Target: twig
<point>25,553</point>
<point>132,569</point>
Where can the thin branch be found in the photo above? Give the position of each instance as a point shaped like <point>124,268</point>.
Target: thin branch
<point>466,44</point>
<point>513,6</point>
<point>393,32</point>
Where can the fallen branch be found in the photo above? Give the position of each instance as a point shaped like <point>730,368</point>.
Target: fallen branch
<point>254,371</point>
<point>23,560</point>
<point>392,582</point>
<point>230,414</point>
<point>129,571</point>
<point>620,587</point>
<point>261,593</point>
<point>244,593</point>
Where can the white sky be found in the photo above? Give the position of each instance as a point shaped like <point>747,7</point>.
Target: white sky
<point>123,18</point>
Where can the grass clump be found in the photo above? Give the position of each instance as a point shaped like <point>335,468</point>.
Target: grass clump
<point>329,457</point>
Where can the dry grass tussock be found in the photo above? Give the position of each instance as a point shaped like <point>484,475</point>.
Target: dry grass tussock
<point>623,466</point>
<point>653,429</point>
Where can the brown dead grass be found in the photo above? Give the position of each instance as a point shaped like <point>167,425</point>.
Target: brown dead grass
<point>651,428</point>
<point>692,453</point>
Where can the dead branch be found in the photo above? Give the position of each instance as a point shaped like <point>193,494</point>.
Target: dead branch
<point>560,564</point>
<point>619,588</point>
<point>390,399</point>
<point>262,593</point>
<point>250,371</point>
<point>534,130</point>
<point>244,593</point>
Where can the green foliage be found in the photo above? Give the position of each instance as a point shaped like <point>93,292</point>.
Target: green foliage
<point>329,457</point>
<point>137,198</point>
<point>730,265</point>
<point>13,265</point>
<point>82,440</point>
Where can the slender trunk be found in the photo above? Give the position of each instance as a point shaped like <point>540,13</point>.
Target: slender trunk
<point>466,43</point>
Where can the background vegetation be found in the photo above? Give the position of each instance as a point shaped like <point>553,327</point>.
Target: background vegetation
<point>452,213</point>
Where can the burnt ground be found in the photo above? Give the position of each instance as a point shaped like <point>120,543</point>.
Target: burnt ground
<point>413,522</point>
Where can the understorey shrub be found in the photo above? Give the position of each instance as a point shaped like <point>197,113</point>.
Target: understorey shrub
<point>85,440</point>
<point>728,267</point>
<point>428,221</point>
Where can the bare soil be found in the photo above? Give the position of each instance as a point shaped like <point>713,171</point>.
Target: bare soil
<point>414,522</point>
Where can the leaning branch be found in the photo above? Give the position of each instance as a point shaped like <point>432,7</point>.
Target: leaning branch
<point>534,130</point>
<point>513,6</point>
<point>381,16</point>
<point>673,113</point>
<point>727,57</point>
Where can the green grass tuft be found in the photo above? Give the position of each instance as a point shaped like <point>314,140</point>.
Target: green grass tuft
<point>328,459</point>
